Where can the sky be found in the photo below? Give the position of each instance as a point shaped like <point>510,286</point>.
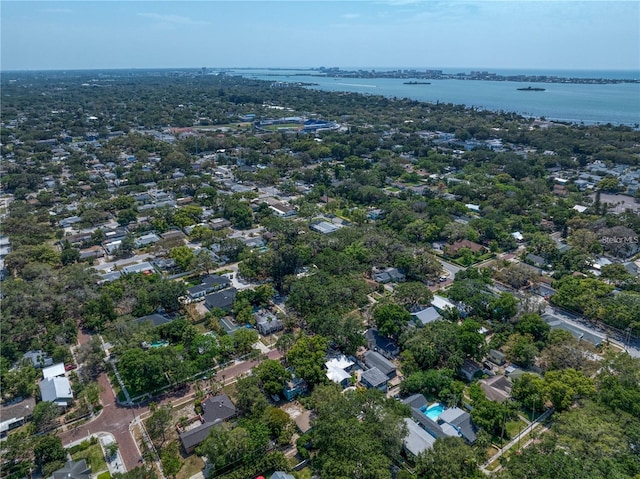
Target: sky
<point>542,34</point>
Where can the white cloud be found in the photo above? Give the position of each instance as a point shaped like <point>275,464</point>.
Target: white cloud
<point>172,19</point>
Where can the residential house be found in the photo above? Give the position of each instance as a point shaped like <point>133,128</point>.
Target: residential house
<point>267,323</point>
<point>144,268</point>
<point>442,304</point>
<point>461,421</point>
<point>388,275</point>
<point>339,370</point>
<point>375,360</point>
<point>216,410</point>
<point>451,422</point>
<point>38,358</point>
<point>146,240</point>
<point>209,284</point>
<point>221,299</point>
<point>378,343</point>
<point>497,357</point>
<point>92,252</point>
<point>324,227</point>
<point>73,470</point>
<point>426,316</point>
<point>294,387</point>
<point>53,371</point>
<point>283,210</point>
<point>497,388</point>
<point>536,260</point>
<point>219,223</point>
<point>281,475</point>
<point>374,379</point>
<point>173,235</point>
<point>469,369</point>
<point>417,439</point>
<point>15,414</point>
<point>56,390</point>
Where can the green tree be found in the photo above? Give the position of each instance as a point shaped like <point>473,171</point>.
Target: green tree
<point>450,458</point>
<point>45,415</point>
<point>158,423</point>
<point>391,319</point>
<point>249,399</point>
<point>48,449</point>
<point>307,357</point>
<point>272,376</point>
<point>412,295</point>
<point>183,256</point>
<point>565,387</point>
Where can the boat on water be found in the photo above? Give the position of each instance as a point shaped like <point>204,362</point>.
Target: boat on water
<point>417,83</point>
<point>531,88</point>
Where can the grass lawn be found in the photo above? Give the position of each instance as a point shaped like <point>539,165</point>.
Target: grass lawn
<point>191,465</point>
<point>104,475</point>
<point>514,427</point>
<point>304,473</point>
<point>93,456</point>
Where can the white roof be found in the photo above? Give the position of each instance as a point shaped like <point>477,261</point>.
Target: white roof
<point>580,208</point>
<point>337,375</point>
<point>441,303</point>
<point>53,371</point>
<point>341,362</point>
<point>517,235</point>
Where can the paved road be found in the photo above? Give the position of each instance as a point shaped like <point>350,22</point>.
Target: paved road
<point>576,323</point>
<point>452,269</point>
<point>115,419</point>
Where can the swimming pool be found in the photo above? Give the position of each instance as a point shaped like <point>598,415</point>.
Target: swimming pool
<point>434,411</point>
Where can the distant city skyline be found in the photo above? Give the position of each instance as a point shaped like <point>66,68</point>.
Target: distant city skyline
<point>534,35</point>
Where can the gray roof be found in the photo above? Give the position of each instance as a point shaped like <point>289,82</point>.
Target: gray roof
<point>461,420</point>
<point>428,424</point>
<point>73,470</point>
<point>56,390</point>
<point>375,360</point>
<point>497,388</point>
<point>218,408</point>
<point>374,377</point>
<point>379,343</point>
<point>20,409</point>
<point>138,268</point>
<point>427,315</point>
<point>416,401</point>
<point>221,299</point>
<point>215,280</point>
<point>281,475</point>
<point>155,319</point>
<point>195,436</point>
<point>417,439</point>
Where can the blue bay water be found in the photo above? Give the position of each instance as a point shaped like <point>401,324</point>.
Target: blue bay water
<point>617,103</point>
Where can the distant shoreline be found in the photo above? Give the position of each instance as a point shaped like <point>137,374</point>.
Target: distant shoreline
<point>440,75</point>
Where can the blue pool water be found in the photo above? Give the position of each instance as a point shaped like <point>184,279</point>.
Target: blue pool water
<point>434,411</point>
